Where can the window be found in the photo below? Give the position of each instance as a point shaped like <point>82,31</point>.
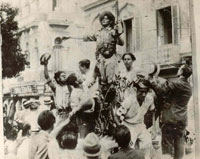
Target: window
<point>54,4</point>
<point>27,54</point>
<point>129,35</point>
<point>36,51</point>
<point>167,25</point>
<point>138,33</point>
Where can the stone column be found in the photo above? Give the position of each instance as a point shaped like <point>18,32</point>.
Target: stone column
<point>57,49</point>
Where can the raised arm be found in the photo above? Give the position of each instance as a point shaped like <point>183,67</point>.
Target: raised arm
<point>91,37</point>
<point>162,87</point>
<point>119,27</point>
<point>46,74</point>
<point>59,127</point>
<point>95,74</point>
<point>120,41</point>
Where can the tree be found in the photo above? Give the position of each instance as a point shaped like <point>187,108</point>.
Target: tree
<point>13,61</point>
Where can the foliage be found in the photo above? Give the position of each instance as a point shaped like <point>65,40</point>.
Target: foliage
<point>13,61</point>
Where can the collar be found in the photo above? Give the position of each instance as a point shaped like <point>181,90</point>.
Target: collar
<point>183,78</point>
<point>107,28</point>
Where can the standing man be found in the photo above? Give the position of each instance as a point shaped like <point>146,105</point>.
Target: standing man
<point>83,106</point>
<point>60,88</point>
<point>106,38</point>
<point>176,96</point>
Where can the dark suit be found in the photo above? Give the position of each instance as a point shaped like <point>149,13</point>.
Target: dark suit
<point>127,153</point>
<point>175,97</point>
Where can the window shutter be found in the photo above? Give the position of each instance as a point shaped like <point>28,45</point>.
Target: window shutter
<point>137,33</point>
<point>175,24</point>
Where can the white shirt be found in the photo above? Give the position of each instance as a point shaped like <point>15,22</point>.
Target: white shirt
<point>127,77</point>
<point>78,95</point>
<point>62,96</point>
<point>23,149</point>
<point>31,118</point>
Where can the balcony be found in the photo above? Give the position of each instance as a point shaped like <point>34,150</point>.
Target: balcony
<point>163,55</point>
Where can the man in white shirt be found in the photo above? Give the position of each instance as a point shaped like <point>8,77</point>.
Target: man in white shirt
<point>82,104</point>
<point>60,89</point>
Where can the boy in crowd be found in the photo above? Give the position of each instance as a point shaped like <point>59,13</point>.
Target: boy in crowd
<point>123,138</point>
<point>39,143</point>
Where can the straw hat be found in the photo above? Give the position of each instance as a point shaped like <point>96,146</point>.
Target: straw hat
<point>47,101</point>
<point>91,145</point>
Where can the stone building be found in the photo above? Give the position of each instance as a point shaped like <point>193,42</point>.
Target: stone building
<point>40,23</point>
<point>155,31</point>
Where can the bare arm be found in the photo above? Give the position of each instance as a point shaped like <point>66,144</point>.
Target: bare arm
<point>119,27</point>
<point>59,127</point>
<point>120,41</point>
<point>95,74</point>
<point>47,77</point>
<point>91,37</point>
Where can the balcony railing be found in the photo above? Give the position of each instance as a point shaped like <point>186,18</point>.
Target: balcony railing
<point>164,55</point>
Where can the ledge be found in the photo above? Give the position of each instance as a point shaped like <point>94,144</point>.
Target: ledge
<point>95,4</point>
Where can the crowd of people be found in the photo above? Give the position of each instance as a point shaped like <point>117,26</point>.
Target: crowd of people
<point>106,112</point>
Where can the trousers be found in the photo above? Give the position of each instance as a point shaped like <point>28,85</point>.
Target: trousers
<point>173,140</point>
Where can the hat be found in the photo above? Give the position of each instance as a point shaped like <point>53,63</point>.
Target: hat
<point>47,100</point>
<point>25,103</point>
<point>91,145</point>
<point>33,104</point>
<point>44,57</point>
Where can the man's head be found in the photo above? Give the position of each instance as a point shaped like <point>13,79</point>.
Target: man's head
<point>26,130</point>
<point>122,136</point>
<point>11,133</point>
<point>46,120</point>
<point>60,77</point>
<point>107,19</point>
<point>68,140</point>
<point>128,59</point>
<point>74,80</point>
<point>84,65</point>
<point>185,71</point>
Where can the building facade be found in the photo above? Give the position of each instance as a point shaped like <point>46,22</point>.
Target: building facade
<point>41,23</point>
<point>155,31</point>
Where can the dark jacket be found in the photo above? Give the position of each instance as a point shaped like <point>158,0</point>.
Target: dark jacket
<point>127,153</point>
<point>175,95</point>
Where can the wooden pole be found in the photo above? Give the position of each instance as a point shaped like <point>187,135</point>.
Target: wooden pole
<point>195,32</point>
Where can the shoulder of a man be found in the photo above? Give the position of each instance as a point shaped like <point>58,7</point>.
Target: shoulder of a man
<point>132,153</point>
<point>39,145</point>
<point>41,137</point>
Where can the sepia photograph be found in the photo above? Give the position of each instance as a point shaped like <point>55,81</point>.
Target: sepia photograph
<point>99,79</point>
